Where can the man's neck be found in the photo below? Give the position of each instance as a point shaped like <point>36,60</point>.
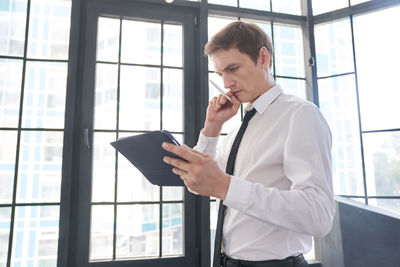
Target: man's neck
<point>268,84</point>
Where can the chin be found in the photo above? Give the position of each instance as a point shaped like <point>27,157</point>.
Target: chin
<point>243,99</point>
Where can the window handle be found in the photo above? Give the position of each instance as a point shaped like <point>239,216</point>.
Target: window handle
<point>311,62</point>
<point>86,137</point>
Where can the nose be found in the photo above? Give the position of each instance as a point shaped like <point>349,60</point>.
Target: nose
<point>228,82</point>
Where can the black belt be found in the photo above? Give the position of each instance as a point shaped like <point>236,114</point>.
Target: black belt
<point>288,262</point>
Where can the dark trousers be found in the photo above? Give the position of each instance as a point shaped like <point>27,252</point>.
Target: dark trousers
<point>297,261</point>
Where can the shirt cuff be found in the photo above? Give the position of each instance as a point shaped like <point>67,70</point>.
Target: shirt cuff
<point>206,143</point>
<point>238,193</point>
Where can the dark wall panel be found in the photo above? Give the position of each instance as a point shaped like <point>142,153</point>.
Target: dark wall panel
<point>362,236</point>
<point>369,238</point>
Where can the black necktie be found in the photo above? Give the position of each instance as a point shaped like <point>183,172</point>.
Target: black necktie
<point>230,166</point>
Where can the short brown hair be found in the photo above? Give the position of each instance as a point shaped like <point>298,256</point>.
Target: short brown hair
<point>247,37</point>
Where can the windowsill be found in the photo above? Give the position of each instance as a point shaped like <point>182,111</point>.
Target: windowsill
<point>314,263</point>
<point>357,204</point>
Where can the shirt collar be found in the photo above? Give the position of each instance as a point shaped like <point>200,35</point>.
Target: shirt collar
<point>264,100</point>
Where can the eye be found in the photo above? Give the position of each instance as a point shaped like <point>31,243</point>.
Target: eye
<point>233,69</point>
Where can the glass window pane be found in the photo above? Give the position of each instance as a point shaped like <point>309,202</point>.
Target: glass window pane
<point>139,107</point>
<point>105,111</point>
<point>5,214</point>
<point>223,2</point>
<point>311,254</point>
<point>172,50</point>
<point>39,170</point>
<point>108,39</point>
<point>293,87</point>
<point>382,163</point>
<point>49,26</point>
<point>235,120</point>
<point>138,231</point>
<point>287,6</point>
<point>44,95</point>
<point>173,100</point>
<point>103,180</point>
<point>355,2</point>
<point>12,27</point>
<point>216,24</point>
<point>148,51</point>
<point>255,4</point>
<point>132,185</point>
<point>213,215</point>
<point>213,225</point>
<point>266,26</point>
<point>378,75</point>
<point>101,232</point>
<point>334,48</point>
<point>389,204</point>
<point>172,232</point>
<point>8,148</point>
<point>319,6</point>
<point>338,103</point>
<point>10,91</point>
<point>35,238</point>
<point>173,192</point>
<point>289,58</point>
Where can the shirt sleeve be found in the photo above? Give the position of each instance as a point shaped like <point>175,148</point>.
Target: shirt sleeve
<point>308,206</point>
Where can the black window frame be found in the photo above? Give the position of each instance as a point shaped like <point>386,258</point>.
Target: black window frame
<point>75,207</point>
<point>349,13</point>
<point>71,206</point>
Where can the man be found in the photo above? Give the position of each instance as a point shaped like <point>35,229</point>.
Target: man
<point>279,191</point>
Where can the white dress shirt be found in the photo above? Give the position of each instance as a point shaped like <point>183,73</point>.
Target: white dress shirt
<point>281,192</point>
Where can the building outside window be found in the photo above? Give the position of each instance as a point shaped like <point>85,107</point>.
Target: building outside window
<point>358,96</point>
<point>34,37</point>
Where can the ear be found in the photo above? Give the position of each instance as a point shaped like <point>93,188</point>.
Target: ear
<point>264,57</point>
